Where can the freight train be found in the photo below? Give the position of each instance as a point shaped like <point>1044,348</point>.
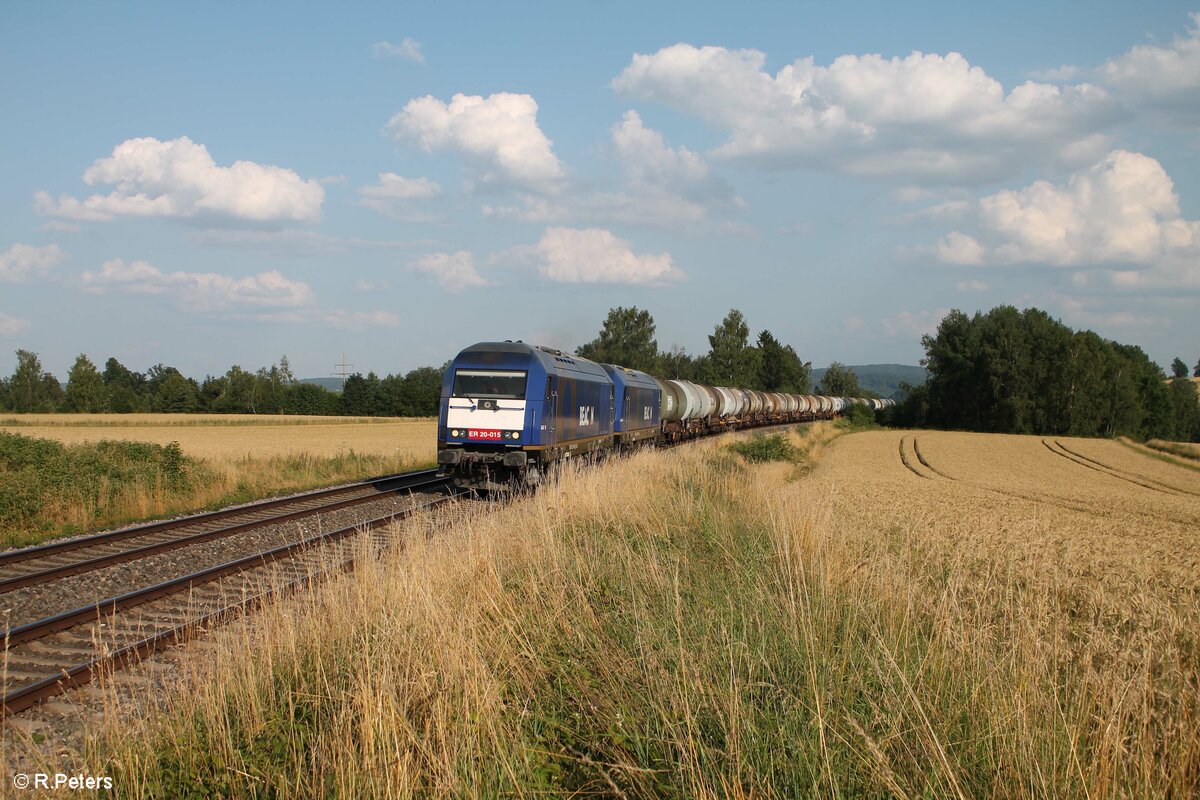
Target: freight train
<point>509,410</point>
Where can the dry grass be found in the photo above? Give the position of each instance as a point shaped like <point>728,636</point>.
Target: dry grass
<point>1012,624</point>
<point>1185,449</point>
<point>238,462</point>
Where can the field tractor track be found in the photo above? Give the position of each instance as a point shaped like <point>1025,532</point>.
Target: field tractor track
<point>1063,453</point>
<point>1126,475</point>
<point>920,457</point>
<point>904,460</point>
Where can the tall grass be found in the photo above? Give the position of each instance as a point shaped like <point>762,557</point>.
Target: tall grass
<point>681,624</point>
<point>48,489</point>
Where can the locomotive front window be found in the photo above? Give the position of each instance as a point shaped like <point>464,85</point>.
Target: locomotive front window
<point>489,383</point>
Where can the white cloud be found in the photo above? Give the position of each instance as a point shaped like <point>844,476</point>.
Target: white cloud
<point>660,186</point>
<point>178,178</point>
<point>1162,77</point>
<point>972,286</point>
<point>396,187</point>
<point>454,272</point>
<point>11,326</point>
<point>498,137</point>
<point>408,49</point>
<point>924,116</point>
<point>396,197</point>
<point>959,248</point>
<point>199,291</point>
<point>24,262</point>
<point>1121,211</point>
<point>913,325</point>
<point>595,255</point>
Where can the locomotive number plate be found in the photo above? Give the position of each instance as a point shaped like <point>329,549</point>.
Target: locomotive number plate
<point>483,436</point>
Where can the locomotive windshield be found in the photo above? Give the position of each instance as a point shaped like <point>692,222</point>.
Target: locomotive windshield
<point>504,385</point>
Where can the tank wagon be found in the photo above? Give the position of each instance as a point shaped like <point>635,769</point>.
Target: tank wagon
<point>510,409</point>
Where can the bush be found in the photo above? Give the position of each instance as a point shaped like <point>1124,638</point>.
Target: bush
<point>859,416</point>
<point>766,447</point>
<point>48,487</point>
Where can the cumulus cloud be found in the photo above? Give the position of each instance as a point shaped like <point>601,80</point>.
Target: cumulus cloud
<point>199,291</point>
<point>178,178</point>
<point>11,326</point>
<point>497,137</point>
<point>408,49</point>
<point>24,262</point>
<point>924,116</point>
<point>1121,211</point>
<point>454,272</point>
<point>1160,77</point>
<point>913,324</point>
<point>658,186</point>
<point>595,255</point>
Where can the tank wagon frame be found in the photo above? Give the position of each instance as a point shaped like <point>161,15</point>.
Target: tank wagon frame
<point>509,410</point>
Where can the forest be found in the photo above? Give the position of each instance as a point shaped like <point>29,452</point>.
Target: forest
<point>1011,371</point>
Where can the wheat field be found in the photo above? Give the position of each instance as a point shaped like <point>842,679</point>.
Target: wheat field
<point>886,614</point>
<point>239,436</point>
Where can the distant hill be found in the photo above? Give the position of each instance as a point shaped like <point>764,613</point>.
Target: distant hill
<point>332,384</point>
<point>884,379</point>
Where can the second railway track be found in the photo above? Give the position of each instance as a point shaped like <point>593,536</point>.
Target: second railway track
<point>36,565</point>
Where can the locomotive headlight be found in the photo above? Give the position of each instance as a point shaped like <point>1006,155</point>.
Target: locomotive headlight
<point>456,432</point>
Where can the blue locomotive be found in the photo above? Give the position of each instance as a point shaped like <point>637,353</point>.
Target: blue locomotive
<point>509,409</point>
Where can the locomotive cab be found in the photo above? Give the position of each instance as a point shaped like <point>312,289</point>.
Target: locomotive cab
<point>508,409</point>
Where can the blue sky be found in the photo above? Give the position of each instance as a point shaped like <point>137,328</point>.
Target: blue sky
<point>212,185</point>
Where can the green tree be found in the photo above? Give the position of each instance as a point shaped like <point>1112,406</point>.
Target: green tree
<point>28,388</point>
<point>117,374</point>
<point>1196,371</point>
<point>1186,407</point>
<point>422,392</point>
<point>839,381</point>
<point>1178,368</point>
<point>356,397</point>
<point>626,338</point>
<point>731,360</point>
<point>676,364</point>
<point>178,395</point>
<point>309,398</point>
<point>86,391</point>
<point>780,368</point>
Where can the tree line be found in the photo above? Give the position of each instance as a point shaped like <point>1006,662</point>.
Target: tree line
<point>1010,371</point>
<point>268,390</point>
<point>627,337</point>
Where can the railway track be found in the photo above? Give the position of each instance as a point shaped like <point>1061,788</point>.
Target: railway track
<point>36,565</point>
<point>48,656</point>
